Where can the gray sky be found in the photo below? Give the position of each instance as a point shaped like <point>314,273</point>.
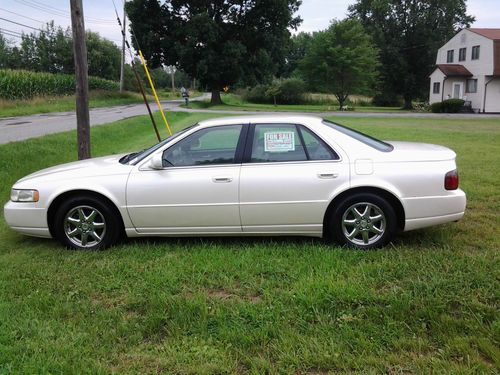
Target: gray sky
<point>100,14</point>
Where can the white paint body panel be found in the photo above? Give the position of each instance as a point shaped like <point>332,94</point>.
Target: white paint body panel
<point>249,199</point>
<point>289,197</point>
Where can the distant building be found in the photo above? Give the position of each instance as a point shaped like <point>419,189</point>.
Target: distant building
<point>468,67</point>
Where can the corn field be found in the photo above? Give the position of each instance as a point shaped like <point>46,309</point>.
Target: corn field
<point>23,84</point>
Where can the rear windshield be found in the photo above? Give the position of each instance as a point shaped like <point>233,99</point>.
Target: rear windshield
<point>366,139</point>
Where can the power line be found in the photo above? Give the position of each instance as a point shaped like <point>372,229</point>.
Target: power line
<point>11,33</point>
<point>20,15</point>
<point>60,12</point>
<point>130,24</point>
<point>8,34</point>
<point>20,24</point>
<point>33,28</point>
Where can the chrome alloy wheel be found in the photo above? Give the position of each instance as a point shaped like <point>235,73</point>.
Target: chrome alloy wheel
<point>84,226</point>
<point>363,223</point>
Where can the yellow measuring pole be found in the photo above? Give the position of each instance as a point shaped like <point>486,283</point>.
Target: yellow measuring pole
<point>154,92</point>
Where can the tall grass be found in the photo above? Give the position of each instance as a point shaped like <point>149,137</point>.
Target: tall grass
<point>23,84</point>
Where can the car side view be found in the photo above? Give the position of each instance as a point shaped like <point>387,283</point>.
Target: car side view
<point>245,176</point>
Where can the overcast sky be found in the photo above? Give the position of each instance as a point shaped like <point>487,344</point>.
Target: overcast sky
<point>100,15</point>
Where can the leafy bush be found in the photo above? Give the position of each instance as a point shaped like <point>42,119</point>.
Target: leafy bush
<point>292,91</point>
<point>384,99</point>
<point>23,84</point>
<point>287,91</point>
<point>447,106</point>
<point>437,107</point>
<point>257,94</point>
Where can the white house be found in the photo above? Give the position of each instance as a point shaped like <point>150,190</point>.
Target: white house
<point>468,67</point>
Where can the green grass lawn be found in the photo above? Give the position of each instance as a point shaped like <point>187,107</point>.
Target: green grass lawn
<point>235,103</point>
<point>98,98</point>
<point>428,303</point>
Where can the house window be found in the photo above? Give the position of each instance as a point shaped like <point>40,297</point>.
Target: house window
<point>471,86</point>
<point>475,53</point>
<point>462,53</point>
<point>449,56</point>
<point>436,87</point>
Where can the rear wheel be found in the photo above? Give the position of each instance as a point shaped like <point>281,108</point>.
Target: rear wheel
<point>363,221</point>
<point>86,223</point>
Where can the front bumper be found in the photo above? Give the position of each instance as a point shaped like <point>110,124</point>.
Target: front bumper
<point>27,218</point>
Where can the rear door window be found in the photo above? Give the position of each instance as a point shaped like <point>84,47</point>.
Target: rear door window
<point>277,143</point>
<point>287,143</point>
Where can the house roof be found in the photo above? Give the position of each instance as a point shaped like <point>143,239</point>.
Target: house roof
<point>493,34</point>
<point>454,70</point>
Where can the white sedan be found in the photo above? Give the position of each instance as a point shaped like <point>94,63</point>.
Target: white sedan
<point>241,176</point>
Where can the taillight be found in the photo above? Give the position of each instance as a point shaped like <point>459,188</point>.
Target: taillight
<point>451,180</point>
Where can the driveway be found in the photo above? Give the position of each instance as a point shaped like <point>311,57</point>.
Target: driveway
<point>24,127</point>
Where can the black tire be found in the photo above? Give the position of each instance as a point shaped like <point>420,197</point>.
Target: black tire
<point>95,224</point>
<point>367,231</point>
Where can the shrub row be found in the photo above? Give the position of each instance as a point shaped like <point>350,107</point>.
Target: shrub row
<point>447,106</point>
<point>286,91</point>
<point>23,84</point>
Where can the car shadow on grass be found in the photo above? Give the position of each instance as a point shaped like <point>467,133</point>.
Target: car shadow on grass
<point>438,237</point>
<point>423,238</point>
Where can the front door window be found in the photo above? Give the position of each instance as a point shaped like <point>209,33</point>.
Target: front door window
<point>210,146</point>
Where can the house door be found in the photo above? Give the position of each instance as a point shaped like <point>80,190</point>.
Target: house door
<point>457,91</point>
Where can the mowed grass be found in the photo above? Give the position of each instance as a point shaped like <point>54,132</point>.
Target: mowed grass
<point>428,303</point>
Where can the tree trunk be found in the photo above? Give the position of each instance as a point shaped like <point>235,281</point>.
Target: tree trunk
<point>216,99</point>
<point>408,102</point>
<point>341,99</point>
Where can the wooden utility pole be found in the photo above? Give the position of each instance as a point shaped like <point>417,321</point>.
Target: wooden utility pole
<point>82,80</point>
<point>122,69</point>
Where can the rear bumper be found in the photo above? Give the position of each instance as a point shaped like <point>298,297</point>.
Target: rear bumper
<point>423,212</point>
<point>27,219</point>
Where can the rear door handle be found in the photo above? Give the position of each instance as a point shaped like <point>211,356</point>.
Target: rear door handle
<point>222,179</point>
<point>328,175</point>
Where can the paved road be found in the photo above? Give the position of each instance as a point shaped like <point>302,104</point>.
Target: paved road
<point>24,127</point>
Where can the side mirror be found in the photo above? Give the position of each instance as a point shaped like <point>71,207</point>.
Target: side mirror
<point>156,161</point>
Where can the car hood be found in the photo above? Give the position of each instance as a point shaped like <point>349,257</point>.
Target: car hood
<point>103,166</point>
<point>411,151</point>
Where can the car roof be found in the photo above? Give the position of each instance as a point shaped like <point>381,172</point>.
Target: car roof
<point>260,119</point>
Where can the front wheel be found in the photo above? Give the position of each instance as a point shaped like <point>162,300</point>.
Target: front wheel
<point>86,223</point>
<point>363,221</point>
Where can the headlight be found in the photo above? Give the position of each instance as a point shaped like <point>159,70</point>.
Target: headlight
<point>24,195</point>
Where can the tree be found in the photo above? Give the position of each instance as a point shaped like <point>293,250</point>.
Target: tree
<point>341,60</point>
<point>217,41</point>
<point>51,50</point>
<point>5,52</point>
<point>295,52</point>
<point>408,34</point>
<point>104,57</point>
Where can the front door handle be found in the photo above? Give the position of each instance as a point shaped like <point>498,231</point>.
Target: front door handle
<point>328,175</point>
<point>222,179</point>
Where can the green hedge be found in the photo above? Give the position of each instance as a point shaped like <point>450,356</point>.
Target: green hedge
<point>287,91</point>
<point>23,84</point>
<point>447,106</point>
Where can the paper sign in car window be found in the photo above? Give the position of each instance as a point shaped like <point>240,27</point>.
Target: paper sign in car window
<point>279,141</point>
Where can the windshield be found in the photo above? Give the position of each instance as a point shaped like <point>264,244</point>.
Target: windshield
<point>136,157</point>
<point>366,139</point>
